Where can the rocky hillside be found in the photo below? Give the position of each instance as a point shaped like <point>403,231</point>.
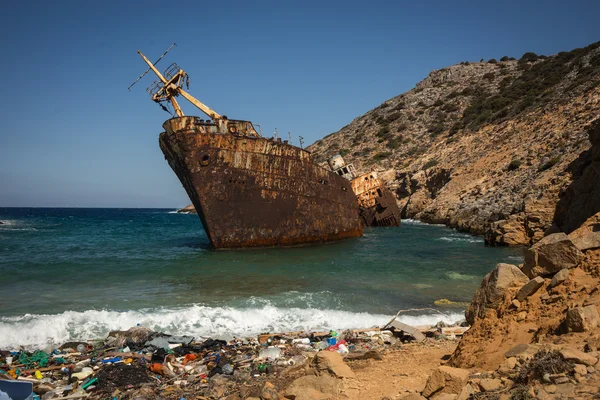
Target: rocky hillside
<point>489,146</point>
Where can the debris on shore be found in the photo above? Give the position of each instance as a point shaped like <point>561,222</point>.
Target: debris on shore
<point>139,363</point>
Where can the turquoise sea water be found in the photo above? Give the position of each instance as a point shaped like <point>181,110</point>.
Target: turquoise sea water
<point>79,273</point>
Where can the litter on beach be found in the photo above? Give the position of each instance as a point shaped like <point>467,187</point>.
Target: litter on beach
<point>126,362</point>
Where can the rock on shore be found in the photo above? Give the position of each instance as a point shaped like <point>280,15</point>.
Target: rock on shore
<point>553,319</point>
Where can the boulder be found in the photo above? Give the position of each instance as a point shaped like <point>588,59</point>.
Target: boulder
<point>550,255</point>
<point>466,392</point>
<point>444,396</point>
<point>592,343</point>
<point>508,365</point>
<point>446,380</point>
<point>413,396</point>
<point>564,389</point>
<point>311,387</point>
<point>581,319</point>
<point>522,350</point>
<point>497,286</point>
<point>509,232</point>
<point>578,357</point>
<point>269,392</point>
<point>589,241</point>
<point>188,210</point>
<point>592,224</point>
<point>137,336</point>
<point>559,278</point>
<point>580,369</point>
<point>490,384</point>
<point>332,362</point>
<point>530,288</point>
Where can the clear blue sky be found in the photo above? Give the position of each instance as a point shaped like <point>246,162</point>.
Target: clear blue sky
<point>72,135</point>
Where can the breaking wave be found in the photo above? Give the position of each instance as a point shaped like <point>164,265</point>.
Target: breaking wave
<point>40,330</point>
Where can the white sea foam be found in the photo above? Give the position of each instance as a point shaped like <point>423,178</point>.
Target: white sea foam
<point>457,276</point>
<point>410,221</point>
<point>467,239</point>
<point>15,225</point>
<point>37,331</point>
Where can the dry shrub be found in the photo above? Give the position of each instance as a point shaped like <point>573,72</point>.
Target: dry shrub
<point>544,362</point>
<point>485,396</point>
<point>521,392</point>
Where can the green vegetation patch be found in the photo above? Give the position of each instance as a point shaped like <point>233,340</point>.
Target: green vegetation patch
<point>514,165</point>
<point>430,164</point>
<point>382,156</point>
<point>534,87</point>
<point>393,116</point>
<point>549,164</point>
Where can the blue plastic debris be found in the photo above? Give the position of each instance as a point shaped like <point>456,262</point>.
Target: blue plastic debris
<point>16,390</point>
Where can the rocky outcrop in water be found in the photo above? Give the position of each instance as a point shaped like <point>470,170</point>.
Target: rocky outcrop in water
<point>187,210</point>
<point>507,148</point>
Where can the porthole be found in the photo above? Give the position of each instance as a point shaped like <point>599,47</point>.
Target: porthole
<point>204,159</point>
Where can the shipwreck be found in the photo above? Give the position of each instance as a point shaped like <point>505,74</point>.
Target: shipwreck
<point>377,205</point>
<point>252,191</point>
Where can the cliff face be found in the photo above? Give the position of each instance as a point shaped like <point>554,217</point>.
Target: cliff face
<point>490,146</point>
<point>582,198</point>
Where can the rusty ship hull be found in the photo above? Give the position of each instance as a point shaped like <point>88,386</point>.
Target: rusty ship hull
<point>255,192</point>
<point>378,206</point>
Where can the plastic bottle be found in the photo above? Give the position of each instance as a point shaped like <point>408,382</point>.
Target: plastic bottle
<point>201,369</point>
<point>297,360</point>
<point>302,341</point>
<point>322,345</point>
<point>81,364</point>
<point>270,352</point>
<point>227,369</point>
<point>81,348</point>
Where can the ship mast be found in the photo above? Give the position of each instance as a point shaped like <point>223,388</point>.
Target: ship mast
<point>170,85</point>
<point>173,87</point>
